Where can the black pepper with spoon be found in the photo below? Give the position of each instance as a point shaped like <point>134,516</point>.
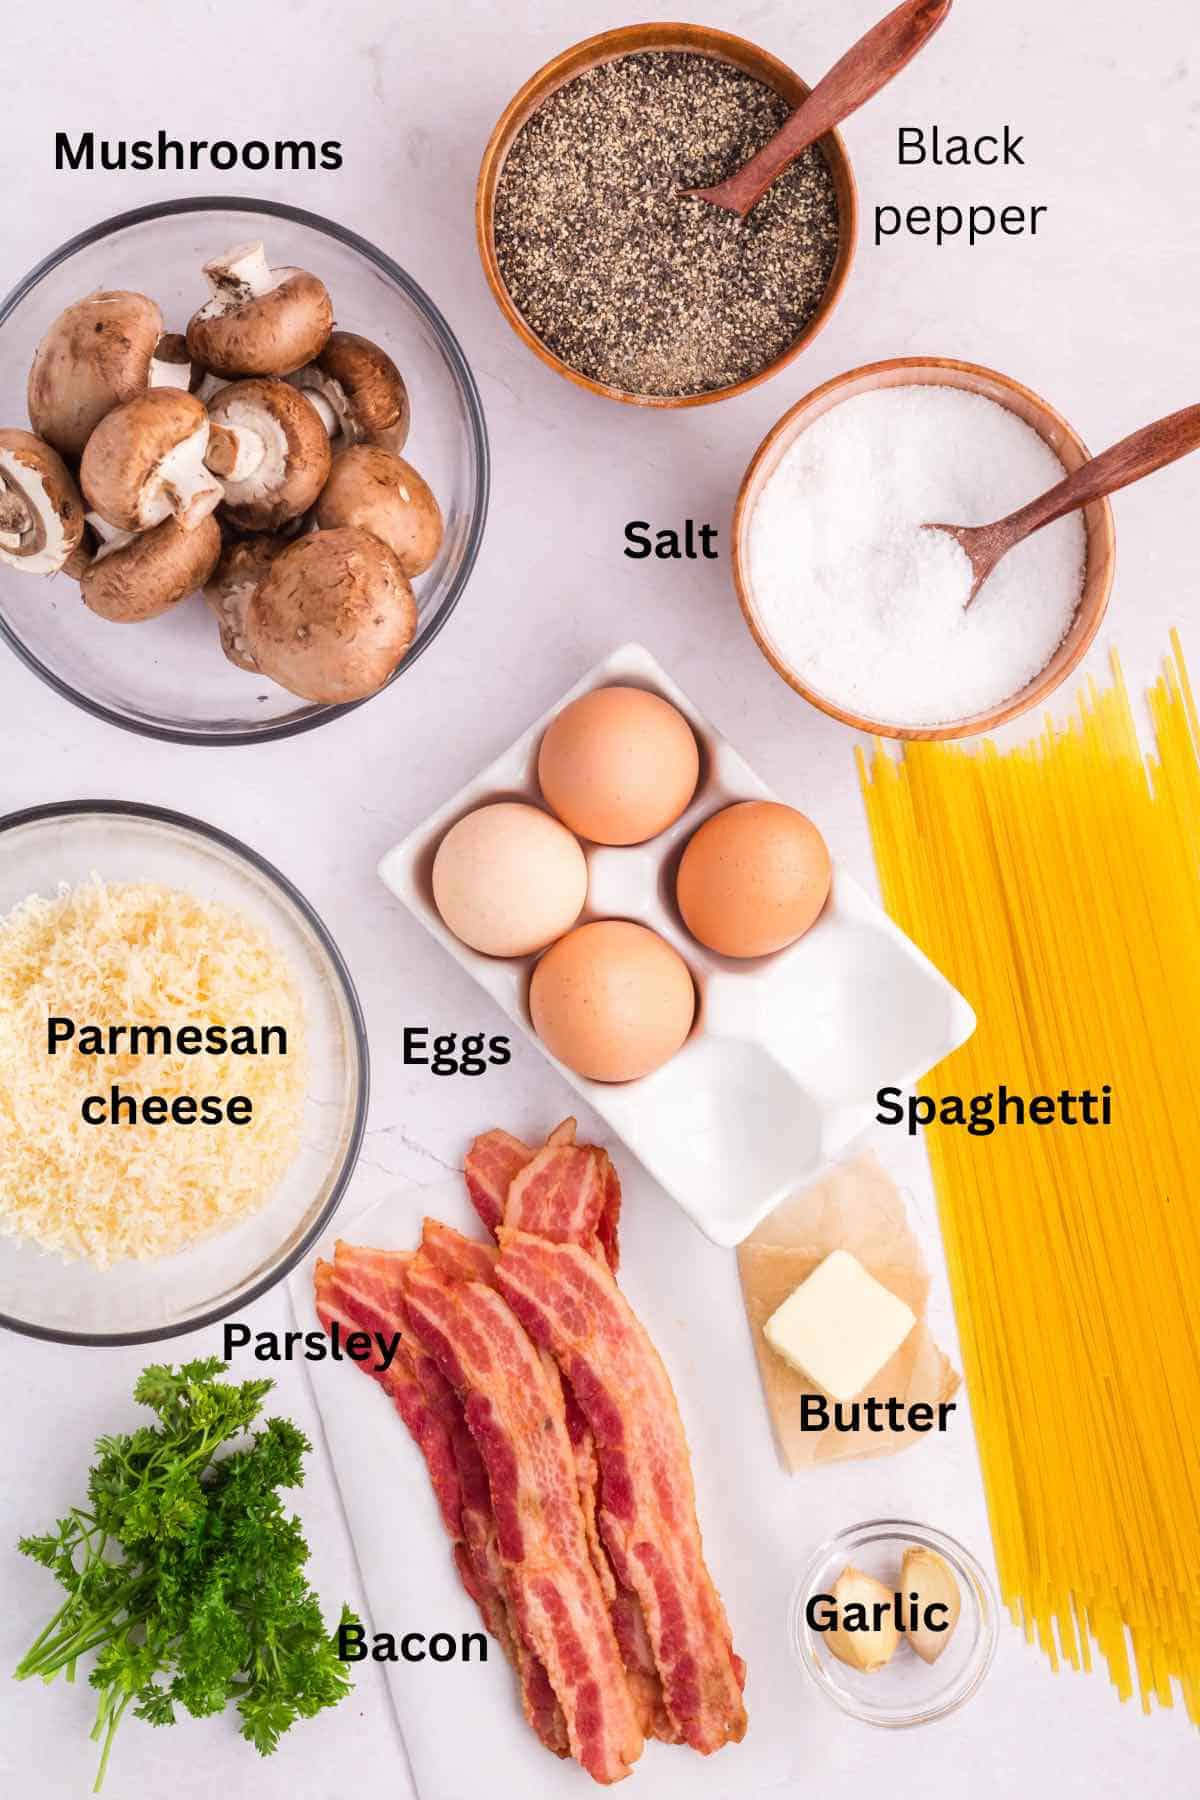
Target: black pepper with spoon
<point>869,65</point>
<point>600,269</point>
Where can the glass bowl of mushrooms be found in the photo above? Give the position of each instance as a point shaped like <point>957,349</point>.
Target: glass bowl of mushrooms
<point>248,432</point>
<point>895,1622</point>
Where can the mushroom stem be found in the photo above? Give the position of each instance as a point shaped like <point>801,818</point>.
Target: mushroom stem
<point>111,536</point>
<point>15,516</point>
<point>323,410</point>
<point>242,274</point>
<point>234,452</point>
<point>171,366</point>
<point>186,487</point>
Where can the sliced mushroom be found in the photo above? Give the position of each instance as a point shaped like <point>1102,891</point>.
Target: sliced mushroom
<point>41,509</point>
<point>358,391</point>
<point>270,450</point>
<point>145,463</point>
<point>137,576</point>
<point>379,492</point>
<point>232,586</point>
<point>333,617</point>
<point>259,321</point>
<point>96,355</point>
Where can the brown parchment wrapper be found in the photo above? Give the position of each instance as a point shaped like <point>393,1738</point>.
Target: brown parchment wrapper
<point>855,1208</point>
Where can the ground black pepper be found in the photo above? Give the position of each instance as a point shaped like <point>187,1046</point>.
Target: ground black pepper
<point>623,280</point>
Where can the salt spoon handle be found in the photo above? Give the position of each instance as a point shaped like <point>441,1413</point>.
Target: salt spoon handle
<point>1151,448</point>
<point>870,65</point>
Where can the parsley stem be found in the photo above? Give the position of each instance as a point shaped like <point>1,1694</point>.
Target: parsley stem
<point>114,1721</point>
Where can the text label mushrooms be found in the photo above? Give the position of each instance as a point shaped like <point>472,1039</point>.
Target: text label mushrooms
<point>137,576</point>
<point>358,392</point>
<point>98,353</point>
<point>270,450</point>
<point>231,588</point>
<point>379,492</point>
<point>145,463</point>
<point>259,321</point>
<point>333,617</point>
<point>41,509</point>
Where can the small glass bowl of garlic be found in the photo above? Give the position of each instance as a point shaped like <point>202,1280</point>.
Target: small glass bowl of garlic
<point>895,1622</point>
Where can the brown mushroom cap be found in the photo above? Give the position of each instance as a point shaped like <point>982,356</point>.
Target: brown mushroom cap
<point>363,388</point>
<point>296,464</point>
<point>152,572</point>
<point>333,617</point>
<point>122,471</point>
<point>274,333</point>
<point>40,502</point>
<point>232,586</point>
<point>377,491</point>
<point>95,355</point>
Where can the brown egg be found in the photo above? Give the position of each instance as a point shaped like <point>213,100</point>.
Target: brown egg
<point>509,879</point>
<point>753,878</point>
<point>619,765</point>
<point>612,1000</point>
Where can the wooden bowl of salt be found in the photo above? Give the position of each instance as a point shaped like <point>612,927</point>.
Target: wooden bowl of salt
<point>1055,432</point>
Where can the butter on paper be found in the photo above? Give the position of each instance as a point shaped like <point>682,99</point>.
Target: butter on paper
<point>856,1208</point>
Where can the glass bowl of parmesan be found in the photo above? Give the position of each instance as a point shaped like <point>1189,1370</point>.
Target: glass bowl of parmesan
<point>166,676</point>
<point>183,1073</point>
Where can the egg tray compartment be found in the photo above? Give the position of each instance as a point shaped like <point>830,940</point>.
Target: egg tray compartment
<point>787,1052</point>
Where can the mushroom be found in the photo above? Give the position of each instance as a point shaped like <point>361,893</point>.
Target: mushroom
<point>136,576</point>
<point>358,392</point>
<point>232,586</point>
<point>98,353</point>
<point>145,462</point>
<point>381,493</point>
<point>332,618</point>
<point>259,321</point>
<point>270,450</point>
<point>41,509</point>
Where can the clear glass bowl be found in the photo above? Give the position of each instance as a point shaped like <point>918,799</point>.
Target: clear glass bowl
<point>906,1691</point>
<point>137,1303</point>
<point>168,677</point>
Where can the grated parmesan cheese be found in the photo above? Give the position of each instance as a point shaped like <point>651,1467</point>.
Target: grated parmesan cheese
<point>131,953</point>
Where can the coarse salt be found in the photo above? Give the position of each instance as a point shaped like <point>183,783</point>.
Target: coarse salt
<point>869,609</point>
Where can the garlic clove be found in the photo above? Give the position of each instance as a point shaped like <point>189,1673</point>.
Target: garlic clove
<point>928,1580</point>
<point>866,1635</point>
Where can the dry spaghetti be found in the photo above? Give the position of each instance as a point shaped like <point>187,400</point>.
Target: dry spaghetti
<point>1058,884</point>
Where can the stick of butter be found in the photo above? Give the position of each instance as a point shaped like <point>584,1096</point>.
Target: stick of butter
<point>839,1327</point>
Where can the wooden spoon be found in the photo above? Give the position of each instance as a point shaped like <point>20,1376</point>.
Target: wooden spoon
<point>870,65</point>
<point>1153,447</point>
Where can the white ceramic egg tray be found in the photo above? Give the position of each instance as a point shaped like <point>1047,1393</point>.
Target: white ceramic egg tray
<point>780,1073</point>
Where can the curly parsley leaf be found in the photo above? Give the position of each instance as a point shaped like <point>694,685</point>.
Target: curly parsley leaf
<point>184,1572</point>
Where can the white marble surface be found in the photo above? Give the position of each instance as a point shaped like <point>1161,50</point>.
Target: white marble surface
<point>1097,313</point>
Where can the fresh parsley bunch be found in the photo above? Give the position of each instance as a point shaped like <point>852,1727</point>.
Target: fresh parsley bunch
<point>184,1571</point>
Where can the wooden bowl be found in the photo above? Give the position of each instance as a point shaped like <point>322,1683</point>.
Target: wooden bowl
<point>607,47</point>
<point>1051,427</point>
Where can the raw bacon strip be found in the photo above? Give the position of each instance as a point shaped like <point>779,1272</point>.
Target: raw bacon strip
<point>517,1418</point>
<point>607,1230</point>
<point>460,1258</point>
<point>496,1159</point>
<point>340,1298</point>
<point>560,1194</point>
<point>367,1288</point>
<point>492,1162</point>
<point>569,1303</point>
